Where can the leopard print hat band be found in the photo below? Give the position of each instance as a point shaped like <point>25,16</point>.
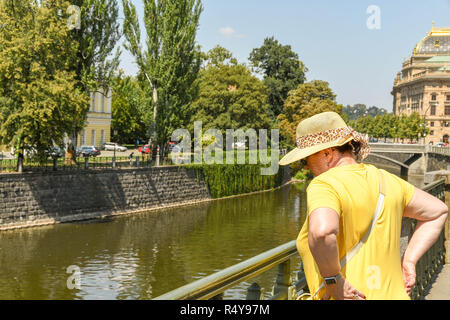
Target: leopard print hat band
<point>335,134</point>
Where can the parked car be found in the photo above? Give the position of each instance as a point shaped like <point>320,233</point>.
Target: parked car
<point>239,144</point>
<point>175,148</point>
<point>440,144</point>
<point>88,151</point>
<point>110,146</point>
<point>145,149</point>
<point>55,152</point>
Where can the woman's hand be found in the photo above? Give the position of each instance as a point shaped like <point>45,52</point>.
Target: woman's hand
<point>343,290</point>
<point>409,275</point>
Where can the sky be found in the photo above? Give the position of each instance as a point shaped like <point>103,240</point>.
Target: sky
<point>357,46</point>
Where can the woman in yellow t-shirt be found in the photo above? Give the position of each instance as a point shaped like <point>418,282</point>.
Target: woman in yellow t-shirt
<point>350,242</point>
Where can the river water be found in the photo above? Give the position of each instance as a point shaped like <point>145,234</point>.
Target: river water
<point>144,255</point>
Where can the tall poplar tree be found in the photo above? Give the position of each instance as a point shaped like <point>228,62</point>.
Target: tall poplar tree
<point>94,26</point>
<point>169,61</point>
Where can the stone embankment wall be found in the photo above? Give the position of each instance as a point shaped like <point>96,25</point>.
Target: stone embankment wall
<point>46,198</point>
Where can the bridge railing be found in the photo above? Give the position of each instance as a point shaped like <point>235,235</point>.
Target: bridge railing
<point>288,287</point>
<point>439,150</point>
<point>409,148</point>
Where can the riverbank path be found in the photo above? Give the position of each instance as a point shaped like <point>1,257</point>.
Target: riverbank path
<point>440,288</point>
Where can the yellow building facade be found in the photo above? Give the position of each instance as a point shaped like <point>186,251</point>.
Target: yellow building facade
<point>98,125</point>
<point>423,84</point>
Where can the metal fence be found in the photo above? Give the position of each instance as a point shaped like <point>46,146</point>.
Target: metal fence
<point>82,163</point>
<point>289,287</point>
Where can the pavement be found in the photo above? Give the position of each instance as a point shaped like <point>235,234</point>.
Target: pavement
<point>440,288</point>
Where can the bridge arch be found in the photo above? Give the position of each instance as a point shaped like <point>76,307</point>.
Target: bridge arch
<point>404,168</point>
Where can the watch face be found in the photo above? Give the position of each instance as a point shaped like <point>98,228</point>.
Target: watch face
<point>331,280</point>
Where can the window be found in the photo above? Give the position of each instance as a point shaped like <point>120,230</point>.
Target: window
<point>93,137</point>
<point>102,103</point>
<point>83,137</point>
<point>448,97</point>
<point>93,102</point>
<point>433,110</point>
<point>437,44</point>
<point>433,97</point>
<point>447,110</point>
<point>432,124</point>
<point>432,132</point>
<point>102,137</point>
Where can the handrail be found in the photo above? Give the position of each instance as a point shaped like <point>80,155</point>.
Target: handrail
<point>218,282</point>
<point>213,286</point>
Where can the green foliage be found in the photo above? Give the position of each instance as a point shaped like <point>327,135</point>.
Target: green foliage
<point>225,180</point>
<point>170,61</point>
<point>128,110</point>
<point>307,100</point>
<point>391,126</point>
<point>97,35</point>
<point>39,98</point>
<point>230,98</point>
<point>360,110</point>
<point>218,56</point>
<point>282,70</point>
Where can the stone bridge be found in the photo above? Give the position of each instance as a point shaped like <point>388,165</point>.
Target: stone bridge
<point>411,158</point>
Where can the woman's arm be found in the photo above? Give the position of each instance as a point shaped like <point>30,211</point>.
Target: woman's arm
<point>431,214</point>
<point>322,232</point>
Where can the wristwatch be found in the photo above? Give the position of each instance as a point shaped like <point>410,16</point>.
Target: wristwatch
<point>332,280</point>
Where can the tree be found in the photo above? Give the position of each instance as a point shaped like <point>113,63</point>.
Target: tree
<point>170,61</point>
<point>94,26</point>
<point>218,56</point>
<point>230,98</point>
<point>360,110</point>
<point>97,33</point>
<point>282,70</point>
<point>38,89</point>
<point>128,116</point>
<point>307,100</point>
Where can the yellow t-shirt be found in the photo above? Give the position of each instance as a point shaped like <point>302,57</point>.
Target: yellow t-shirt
<point>352,191</point>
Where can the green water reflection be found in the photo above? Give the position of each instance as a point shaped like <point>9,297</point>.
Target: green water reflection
<point>145,255</point>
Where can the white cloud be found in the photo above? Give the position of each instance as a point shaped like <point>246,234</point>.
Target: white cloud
<point>230,33</point>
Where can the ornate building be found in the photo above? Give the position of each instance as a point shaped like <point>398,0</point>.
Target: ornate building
<point>98,124</point>
<point>423,84</point>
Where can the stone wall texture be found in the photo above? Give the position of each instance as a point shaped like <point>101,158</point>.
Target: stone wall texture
<point>45,198</point>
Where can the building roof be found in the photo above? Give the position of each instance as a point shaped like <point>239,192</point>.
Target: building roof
<point>439,59</point>
<point>437,41</point>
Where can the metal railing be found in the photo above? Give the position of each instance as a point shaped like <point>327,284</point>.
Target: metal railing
<point>287,287</point>
<point>429,264</point>
<point>213,286</point>
<point>82,163</point>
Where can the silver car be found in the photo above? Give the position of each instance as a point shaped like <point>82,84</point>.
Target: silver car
<point>110,146</point>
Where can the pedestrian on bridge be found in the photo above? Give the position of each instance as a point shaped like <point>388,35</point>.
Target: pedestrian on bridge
<point>350,242</point>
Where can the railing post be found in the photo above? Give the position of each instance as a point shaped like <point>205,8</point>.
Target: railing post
<point>283,280</point>
<point>255,292</point>
<point>86,162</point>
<point>447,224</point>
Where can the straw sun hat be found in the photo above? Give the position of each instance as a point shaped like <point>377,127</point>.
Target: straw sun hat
<point>322,131</point>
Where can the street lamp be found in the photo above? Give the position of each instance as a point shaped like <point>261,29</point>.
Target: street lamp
<point>114,156</point>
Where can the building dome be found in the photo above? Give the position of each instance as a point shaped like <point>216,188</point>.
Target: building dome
<point>437,41</point>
